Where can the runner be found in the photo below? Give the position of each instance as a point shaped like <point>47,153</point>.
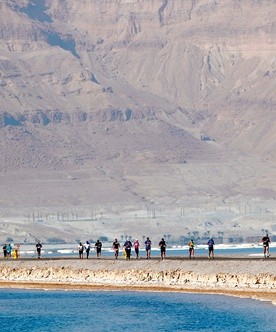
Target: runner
<point>136,245</point>
<point>127,247</point>
<point>98,246</point>
<point>266,241</point>
<point>162,245</point>
<point>191,249</point>
<point>5,251</point>
<point>116,246</point>
<point>16,251</point>
<point>148,247</point>
<point>9,250</point>
<point>211,244</point>
<point>38,249</point>
<point>87,248</point>
<point>80,247</point>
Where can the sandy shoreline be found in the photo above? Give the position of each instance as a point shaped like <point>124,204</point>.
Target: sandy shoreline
<point>247,278</point>
<point>258,295</point>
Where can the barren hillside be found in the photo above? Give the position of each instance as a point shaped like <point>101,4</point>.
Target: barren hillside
<point>161,110</point>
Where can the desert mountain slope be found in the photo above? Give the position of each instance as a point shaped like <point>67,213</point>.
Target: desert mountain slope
<point>138,106</point>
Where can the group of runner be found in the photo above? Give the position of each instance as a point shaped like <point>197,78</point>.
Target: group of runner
<point>265,241</point>
<point>136,245</point>
<point>162,244</point>
<point>127,247</point>
<point>86,248</point>
<point>210,244</point>
<point>7,250</point>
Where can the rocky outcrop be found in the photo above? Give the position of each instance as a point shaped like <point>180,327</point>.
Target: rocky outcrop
<point>44,117</point>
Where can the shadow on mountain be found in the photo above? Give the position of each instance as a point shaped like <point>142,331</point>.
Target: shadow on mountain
<point>54,39</point>
<point>36,10</point>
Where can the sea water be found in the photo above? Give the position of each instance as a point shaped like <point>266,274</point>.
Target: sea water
<point>37,310</point>
<point>48,251</point>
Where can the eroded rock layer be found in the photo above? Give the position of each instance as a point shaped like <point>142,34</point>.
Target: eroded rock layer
<point>177,274</point>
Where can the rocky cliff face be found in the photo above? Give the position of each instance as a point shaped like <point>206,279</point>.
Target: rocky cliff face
<point>121,90</point>
<point>209,61</point>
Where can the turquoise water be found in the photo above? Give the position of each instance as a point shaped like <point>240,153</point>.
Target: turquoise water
<point>240,252</point>
<point>29,310</point>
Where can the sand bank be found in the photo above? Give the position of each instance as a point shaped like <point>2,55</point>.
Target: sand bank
<point>246,278</point>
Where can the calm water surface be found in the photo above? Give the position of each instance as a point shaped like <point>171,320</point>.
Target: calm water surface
<point>71,251</point>
<point>29,310</point>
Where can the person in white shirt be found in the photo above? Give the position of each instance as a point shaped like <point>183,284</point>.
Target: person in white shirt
<point>87,248</point>
<point>80,247</point>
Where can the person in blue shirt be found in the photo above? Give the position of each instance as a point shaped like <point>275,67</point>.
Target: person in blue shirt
<point>148,247</point>
<point>211,244</point>
<point>9,250</point>
<point>127,247</point>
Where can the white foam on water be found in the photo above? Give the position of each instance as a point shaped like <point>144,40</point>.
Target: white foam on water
<point>65,251</point>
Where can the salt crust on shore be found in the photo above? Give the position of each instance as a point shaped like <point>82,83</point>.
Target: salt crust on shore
<point>246,278</point>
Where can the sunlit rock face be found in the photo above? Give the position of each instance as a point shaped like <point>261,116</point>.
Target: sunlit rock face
<point>150,102</point>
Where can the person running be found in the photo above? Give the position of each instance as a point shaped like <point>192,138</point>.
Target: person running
<point>191,246</point>
<point>127,247</point>
<point>16,252</point>
<point>98,246</point>
<point>87,248</point>
<point>211,244</point>
<point>38,249</point>
<point>148,247</point>
<point>162,245</point>
<point>9,250</point>
<point>5,251</point>
<point>136,245</point>
<point>266,241</point>
<point>80,248</point>
<point>116,246</point>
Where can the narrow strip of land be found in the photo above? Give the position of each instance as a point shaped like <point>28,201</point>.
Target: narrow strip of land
<point>242,277</point>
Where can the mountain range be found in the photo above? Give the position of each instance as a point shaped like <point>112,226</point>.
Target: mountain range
<point>136,117</point>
